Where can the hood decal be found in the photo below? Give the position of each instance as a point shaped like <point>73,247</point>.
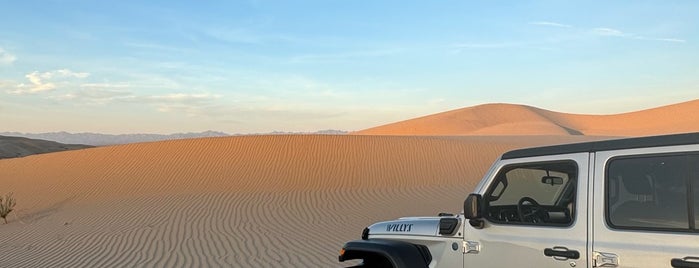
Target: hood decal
<point>399,227</point>
<point>428,226</point>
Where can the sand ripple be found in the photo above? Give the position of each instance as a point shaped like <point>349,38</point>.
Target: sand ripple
<point>259,201</point>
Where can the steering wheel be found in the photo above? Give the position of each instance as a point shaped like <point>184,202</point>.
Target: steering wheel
<point>535,212</point>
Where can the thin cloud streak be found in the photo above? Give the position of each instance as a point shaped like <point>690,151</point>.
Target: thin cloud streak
<point>672,40</point>
<point>94,96</point>
<point>551,24</point>
<point>600,31</point>
<point>191,105</point>
<point>605,31</point>
<point>609,32</point>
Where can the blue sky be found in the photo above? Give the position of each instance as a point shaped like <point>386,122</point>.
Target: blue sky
<point>260,66</point>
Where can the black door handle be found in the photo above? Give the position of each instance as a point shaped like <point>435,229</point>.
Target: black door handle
<point>686,262</point>
<point>561,252</point>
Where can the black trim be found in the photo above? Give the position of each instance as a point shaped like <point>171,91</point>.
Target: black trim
<point>605,145</point>
<point>399,254</point>
<point>686,262</point>
<point>693,189</point>
<point>564,253</point>
<point>447,226</point>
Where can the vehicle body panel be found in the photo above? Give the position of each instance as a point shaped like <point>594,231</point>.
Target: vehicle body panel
<point>637,248</point>
<point>504,245</point>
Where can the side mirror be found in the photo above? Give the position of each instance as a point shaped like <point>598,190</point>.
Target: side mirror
<point>472,207</point>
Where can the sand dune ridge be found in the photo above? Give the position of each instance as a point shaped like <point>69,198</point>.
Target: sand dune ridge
<point>512,119</point>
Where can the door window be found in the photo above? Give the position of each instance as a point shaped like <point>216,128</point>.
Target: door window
<point>534,193</point>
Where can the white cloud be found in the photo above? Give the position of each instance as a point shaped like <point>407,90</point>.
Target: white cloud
<point>64,73</point>
<point>604,31</point>
<point>39,82</point>
<point>609,32</point>
<point>551,24</point>
<point>6,57</point>
<point>36,85</point>
<point>75,90</point>
<point>600,31</point>
<point>672,40</point>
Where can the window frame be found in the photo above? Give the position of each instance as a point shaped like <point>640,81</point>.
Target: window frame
<point>512,166</point>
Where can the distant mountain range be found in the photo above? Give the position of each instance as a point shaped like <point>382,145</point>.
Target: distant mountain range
<point>11,147</point>
<point>98,139</point>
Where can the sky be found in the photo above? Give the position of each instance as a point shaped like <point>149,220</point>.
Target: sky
<point>259,66</point>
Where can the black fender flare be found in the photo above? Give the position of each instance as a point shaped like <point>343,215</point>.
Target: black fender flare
<point>400,254</point>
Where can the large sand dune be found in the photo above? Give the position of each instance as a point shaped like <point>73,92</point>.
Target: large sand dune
<point>258,201</point>
<point>511,119</point>
<point>250,201</point>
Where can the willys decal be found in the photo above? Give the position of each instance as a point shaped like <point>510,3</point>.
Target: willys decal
<point>401,227</point>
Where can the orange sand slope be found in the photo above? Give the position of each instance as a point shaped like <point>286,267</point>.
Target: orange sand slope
<point>269,201</point>
<point>255,201</point>
<point>509,119</point>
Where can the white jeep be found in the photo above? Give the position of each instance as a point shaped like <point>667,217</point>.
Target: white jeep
<point>614,203</point>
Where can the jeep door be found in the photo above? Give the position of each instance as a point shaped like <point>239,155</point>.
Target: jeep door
<point>646,208</point>
<point>534,214</point>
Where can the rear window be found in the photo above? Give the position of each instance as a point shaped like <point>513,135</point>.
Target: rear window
<point>653,192</point>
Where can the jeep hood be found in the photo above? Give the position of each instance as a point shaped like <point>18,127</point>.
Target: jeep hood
<point>417,226</point>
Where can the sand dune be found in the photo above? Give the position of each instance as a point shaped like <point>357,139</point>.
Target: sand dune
<point>676,118</point>
<point>257,201</point>
<point>510,119</point>
<point>270,200</point>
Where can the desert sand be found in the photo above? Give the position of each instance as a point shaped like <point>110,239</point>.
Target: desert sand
<point>263,201</point>
<point>509,119</point>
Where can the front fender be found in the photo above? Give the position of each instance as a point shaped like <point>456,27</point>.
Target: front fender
<point>399,254</point>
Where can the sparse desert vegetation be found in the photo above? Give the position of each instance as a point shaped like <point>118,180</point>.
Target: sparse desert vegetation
<point>7,204</point>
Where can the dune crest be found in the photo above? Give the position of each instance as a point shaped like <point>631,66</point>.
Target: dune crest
<point>512,119</point>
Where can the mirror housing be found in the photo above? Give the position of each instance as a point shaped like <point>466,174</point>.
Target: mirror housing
<point>472,207</point>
